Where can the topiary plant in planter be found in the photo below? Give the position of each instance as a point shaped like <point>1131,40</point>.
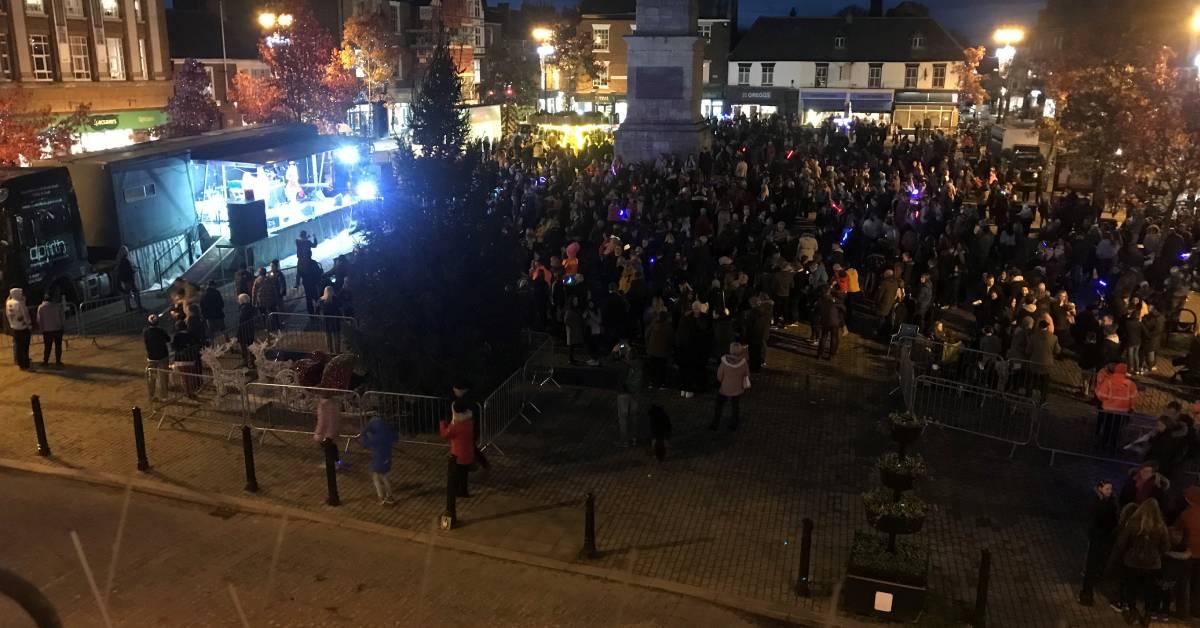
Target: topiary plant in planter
<point>882,565</point>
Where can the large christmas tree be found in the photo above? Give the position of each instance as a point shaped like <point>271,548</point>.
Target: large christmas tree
<point>437,267</point>
<point>191,110</point>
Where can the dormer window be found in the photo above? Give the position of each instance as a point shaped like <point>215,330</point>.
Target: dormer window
<point>918,41</point>
<point>839,42</point>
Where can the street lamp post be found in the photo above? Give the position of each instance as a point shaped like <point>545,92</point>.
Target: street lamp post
<point>543,35</point>
<point>1006,37</point>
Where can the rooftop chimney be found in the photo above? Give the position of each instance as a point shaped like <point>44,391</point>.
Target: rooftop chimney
<point>876,8</point>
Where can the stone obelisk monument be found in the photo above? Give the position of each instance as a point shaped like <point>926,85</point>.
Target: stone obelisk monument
<point>665,83</point>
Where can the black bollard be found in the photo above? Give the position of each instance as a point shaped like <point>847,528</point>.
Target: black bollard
<point>139,440</point>
<point>39,426</point>
<point>981,593</point>
<point>589,528</point>
<point>331,472</point>
<point>248,454</point>
<point>802,584</point>
<point>450,518</point>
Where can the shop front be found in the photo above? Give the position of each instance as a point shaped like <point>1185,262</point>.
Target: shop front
<point>608,105</point>
<point>712,101</point>
<point>820,105</point>
<point>761,101</point>
<point>929,110</point>
<point>118,129</point>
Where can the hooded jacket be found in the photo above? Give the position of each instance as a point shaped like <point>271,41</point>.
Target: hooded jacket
<point>732,375</point>
<point>1115,390</point>
<point>379,437</point>
<point>16,312</point>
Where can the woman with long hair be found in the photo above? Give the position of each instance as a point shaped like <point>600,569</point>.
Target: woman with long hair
<point>1138,552</point>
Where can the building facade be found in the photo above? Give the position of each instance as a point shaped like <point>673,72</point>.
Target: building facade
<point>607,22</point>
<point>897,70</point>
<point>108,54</point>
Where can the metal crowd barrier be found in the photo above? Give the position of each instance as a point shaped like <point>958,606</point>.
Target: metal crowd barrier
<point>504,406</point>
<point>179,396</point>
<point>69,329</point>
<point>1104,436</point>
<point>954,362</point>
<point>539,368</point>
<point>109,317</point>
<point>975,410</point>
<point>415,417</point>
<point>306,333</point>
<point>288,409</point>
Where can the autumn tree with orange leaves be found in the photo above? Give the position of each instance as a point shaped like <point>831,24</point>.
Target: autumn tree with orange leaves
<point>1129,122</point>
<point>26,135</point>
<point>970,82</point>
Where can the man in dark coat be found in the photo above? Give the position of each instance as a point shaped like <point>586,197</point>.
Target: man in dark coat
<point>830,316</point>
<point>886,297</point>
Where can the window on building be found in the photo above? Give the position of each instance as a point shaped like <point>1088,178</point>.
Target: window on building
<point>478,37</point>
<point>477,68</point>
<point>81,61</point>
<point>744,73</point>
<point>705,31</point>
<point>426,13</point>
<point>600,81</point>
<point>768,74</point>
<point>35,7</point>
<point>910,74</point>
<point>821,79</point>
<point>116,58</point>
<point>875,75</point>
<point>5,59</point>
<point>705,69</point>
<point>142,59</point>
<point>839,42</point>
<point>73,8</point>
<point>918,41</point>
<point>138,13</point>
<point>110,9</point>
<point>600,37</point>
<point>939,75</point>
<point>39,51</point>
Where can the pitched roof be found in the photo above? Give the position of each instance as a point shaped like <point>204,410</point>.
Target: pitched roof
<point>607,7</point>
<point>867,39</point>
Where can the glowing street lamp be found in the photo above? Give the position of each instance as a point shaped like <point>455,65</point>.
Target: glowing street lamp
<point>1195,23</point>
<point>543,35</point>
<point>271,20</point>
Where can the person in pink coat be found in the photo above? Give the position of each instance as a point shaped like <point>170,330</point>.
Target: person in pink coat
<point>734,377</point>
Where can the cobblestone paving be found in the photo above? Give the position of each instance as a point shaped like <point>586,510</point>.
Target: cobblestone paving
<point>177,561</point>
<point>724,512</point>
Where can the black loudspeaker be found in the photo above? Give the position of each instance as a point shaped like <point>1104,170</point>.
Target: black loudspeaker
<point>247,222</point>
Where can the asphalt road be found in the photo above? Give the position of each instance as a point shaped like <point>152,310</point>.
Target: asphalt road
<point>177,562</point>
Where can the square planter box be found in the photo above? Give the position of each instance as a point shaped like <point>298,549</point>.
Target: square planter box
<point>882,599</point>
